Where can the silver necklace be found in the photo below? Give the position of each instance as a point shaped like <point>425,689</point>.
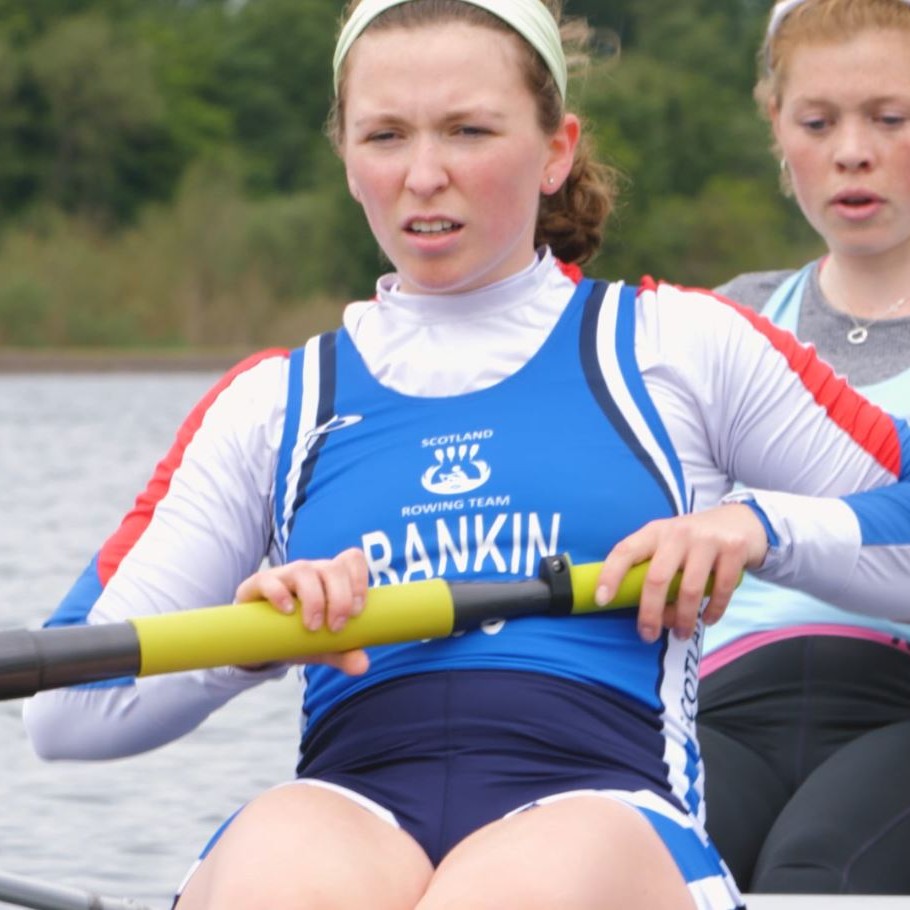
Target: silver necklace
<point>860,331</point>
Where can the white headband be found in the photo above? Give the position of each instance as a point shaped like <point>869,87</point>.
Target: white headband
<point>530,18</point>
<point>783,9</point>
<point>779,13</point>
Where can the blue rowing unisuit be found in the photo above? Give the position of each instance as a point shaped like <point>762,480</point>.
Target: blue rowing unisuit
<point>480,486</point>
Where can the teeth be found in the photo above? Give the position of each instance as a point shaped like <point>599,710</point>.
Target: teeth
<point>432,227</point>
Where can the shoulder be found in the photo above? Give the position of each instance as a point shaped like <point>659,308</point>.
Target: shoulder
<point>699,324</point>
<point>699,308</point>
<point>753,289</point>
<point>258,363</point>
<point>255,375</point>
<point>250,394</point>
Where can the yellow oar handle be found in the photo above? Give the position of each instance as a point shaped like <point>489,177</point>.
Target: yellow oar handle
<point>584,583</point>
<point>255,633</point>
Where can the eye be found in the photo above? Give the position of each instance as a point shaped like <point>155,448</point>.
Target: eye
<point>815,124</point>
<point>471,131</point>
<point>892,120</point>
<point>381,136</point>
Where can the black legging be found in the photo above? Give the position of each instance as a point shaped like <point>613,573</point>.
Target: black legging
<point>806,744</point>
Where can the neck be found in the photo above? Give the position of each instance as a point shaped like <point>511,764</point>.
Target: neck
<point>866,287</point>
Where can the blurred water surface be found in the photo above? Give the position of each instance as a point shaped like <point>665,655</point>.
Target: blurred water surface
<point>74,452</point>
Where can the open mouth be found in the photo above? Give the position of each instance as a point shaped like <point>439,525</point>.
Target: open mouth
<point>856,200</point>
<point>433,228</point>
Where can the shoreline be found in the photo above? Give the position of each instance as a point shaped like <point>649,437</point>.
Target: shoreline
<point>117,360</point>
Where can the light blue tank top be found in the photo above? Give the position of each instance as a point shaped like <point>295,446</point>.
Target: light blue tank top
<point>759,606</point>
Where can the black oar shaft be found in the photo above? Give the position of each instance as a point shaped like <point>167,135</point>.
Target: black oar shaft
<point>475,603</point>
<point>31,661</point>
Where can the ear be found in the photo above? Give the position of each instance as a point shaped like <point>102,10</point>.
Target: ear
<point>773,114</point>
<point>560,154</point>
<point>352,188</point>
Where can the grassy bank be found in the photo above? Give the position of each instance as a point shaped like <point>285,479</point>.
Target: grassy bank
<point>104,360</point>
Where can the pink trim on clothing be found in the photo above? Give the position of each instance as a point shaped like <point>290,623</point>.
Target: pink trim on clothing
<point>740,646</point>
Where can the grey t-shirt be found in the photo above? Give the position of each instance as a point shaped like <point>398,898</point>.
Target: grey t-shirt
<point>884,353</point>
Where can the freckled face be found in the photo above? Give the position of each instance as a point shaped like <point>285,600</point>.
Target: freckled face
<point>843,126</point>
<point>443,150</point>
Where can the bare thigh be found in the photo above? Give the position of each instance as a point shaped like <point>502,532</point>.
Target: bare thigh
<point>302,846</point>
<point>585,852</point>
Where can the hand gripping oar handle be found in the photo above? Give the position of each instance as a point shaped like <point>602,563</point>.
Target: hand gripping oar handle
<point>255,632</point>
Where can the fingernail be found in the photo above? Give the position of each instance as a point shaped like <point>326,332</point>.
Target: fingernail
<point>648,634</point>
<point>602,595</point>
<point>314,623</point>
<point>286,606</point>
<point>357,606</point>
<point>337,624</point>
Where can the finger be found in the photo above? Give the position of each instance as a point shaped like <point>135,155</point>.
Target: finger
<point>669,617</point>
<point>309,584</point>
<point>628,552</point>
<point>345,585</point>
<point>699,563</point>
<point>266,586</point>
<point>727,573</point>
<point>665,563</point>
<point>339,596</point>
<point>359,574</point>
<point>354,663</point>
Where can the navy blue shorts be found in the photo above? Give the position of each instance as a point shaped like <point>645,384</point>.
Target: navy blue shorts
<point>449,752</point>
<point>443,754</point>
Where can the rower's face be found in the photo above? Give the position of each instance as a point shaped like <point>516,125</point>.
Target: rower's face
<point>443,150</point>
<point>843,126</point>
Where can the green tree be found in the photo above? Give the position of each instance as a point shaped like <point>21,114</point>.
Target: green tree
<point>24,134</point>
<point>275,80</point>
<point>106,145</point>
<point>675,114</point>
<point>164,160</point>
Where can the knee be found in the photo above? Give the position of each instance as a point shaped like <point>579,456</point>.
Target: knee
<point>803,859</point>
<point>304,846</point>
<point>584,852</point>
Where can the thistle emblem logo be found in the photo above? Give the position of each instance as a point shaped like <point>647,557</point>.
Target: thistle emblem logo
<point>457,470</point>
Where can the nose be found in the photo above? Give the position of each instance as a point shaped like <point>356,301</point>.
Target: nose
<point>427,172</point>
<point>854,149</point>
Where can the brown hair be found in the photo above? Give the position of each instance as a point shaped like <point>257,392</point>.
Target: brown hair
<point>819,22</point>
<point>571,221</point>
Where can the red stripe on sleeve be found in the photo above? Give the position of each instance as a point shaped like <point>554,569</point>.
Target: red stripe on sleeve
<point>137,519</point>
<point>867,424</point>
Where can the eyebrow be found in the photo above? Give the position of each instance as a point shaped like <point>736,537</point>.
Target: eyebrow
<point>451,117</point>
<point>868,102</point>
